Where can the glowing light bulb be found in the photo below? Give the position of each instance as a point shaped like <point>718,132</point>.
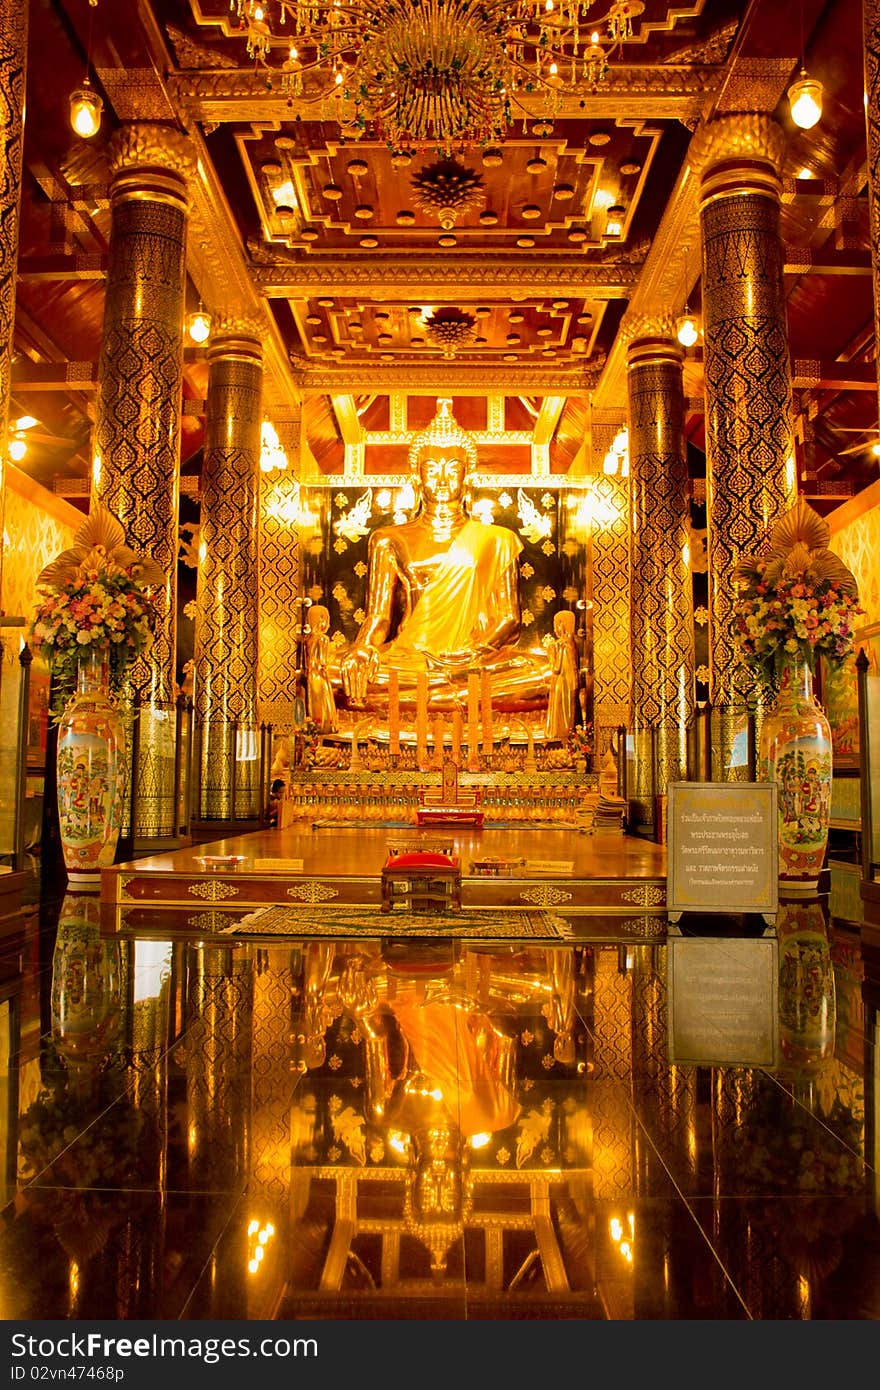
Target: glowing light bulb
<point>686,330</point>
<point>17,449</point>
<point>198,326</point>
<point>805,101</point>
<point>85,111</point>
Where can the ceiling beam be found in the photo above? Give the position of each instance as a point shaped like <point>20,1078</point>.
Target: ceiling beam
<point>665,91</point>
<point>54,376</point>
<point>348,420</point>
<point>525,378</point>
<point>827,375</point>
<point>548,418</point>
<point>810,260</point>
<point>460,279</point>
<point>62,267</point>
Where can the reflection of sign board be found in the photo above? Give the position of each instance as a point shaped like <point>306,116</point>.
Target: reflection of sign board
<point>722,840</point>
<point>721,1000</point>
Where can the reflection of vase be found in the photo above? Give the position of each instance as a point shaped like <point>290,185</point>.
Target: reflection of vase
<point>796,754</point>
<point>87,987</point>
<point>91,770</point>
<point>807,1005</point>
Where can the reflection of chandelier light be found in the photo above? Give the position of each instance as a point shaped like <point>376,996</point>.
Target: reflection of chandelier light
<point>447,189</point>
<point>805,100</point>
<point>435,72</point>
<point>450,329</point>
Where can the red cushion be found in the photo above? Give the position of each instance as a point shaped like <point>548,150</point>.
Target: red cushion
<point>420,860</point>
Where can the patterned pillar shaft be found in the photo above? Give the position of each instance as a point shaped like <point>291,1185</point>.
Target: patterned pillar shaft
<point>606,539</point>
<point>227,623</point>
<point>871,41</point>
<point>750,448</point>
<point>13,57</point>
<point>140,373</point>
<point>661,595</point>
<point>280,580</point>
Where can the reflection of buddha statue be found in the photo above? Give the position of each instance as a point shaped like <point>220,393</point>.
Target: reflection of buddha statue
<point>442,592</point>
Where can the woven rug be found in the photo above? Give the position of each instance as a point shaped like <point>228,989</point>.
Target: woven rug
<point>340,921</point>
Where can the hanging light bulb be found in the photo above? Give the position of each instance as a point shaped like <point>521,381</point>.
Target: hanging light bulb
<point>686,330</point>
<point>17,448</point>
<point>198,325</point>
<point>85,110</point>
<point>805,100</point>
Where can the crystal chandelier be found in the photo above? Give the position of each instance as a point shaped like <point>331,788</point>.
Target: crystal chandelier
<point>439,73</point>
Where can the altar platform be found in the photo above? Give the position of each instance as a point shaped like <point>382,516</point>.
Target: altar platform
<point>604,874</point>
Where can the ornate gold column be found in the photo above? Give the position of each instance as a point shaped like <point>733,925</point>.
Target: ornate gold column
<point>281,543</point>
<point>604,530</point>
<point>661,596</point>
<point>750,448</point>
<point>871,43</point>
<point>13,58</point>
<point>227,647</point>
<point>140,373</point>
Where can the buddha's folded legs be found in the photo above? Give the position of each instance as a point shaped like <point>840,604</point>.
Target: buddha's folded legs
<point>516,675</point>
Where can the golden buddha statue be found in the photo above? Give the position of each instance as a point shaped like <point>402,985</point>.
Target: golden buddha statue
<point>443,593</point>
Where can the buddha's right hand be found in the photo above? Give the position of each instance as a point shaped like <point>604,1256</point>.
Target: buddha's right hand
<point>358,667</point>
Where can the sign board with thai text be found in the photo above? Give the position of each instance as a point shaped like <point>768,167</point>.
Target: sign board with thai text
<point>556,868</point>
<point>722,848</point>
<point>722,1000</point>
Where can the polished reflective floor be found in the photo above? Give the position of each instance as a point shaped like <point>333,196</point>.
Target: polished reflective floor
<point>436,1129</point>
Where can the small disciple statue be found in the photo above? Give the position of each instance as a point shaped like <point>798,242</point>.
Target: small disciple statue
<point>442,593</point>
<point>322,706</point>
<point>562,651</point>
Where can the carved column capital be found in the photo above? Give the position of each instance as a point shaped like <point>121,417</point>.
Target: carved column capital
<point>149,160</point>
<point>741,152</point>
<point>650,337</point>
<point>237,336</point>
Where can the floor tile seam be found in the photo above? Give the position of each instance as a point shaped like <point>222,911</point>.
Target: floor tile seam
<point>218,1236</point>
<point>692,1214</point>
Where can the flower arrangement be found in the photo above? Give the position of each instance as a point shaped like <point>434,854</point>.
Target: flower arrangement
<point>796,602</point>
<point>580,740</point>
<point>92,598</point>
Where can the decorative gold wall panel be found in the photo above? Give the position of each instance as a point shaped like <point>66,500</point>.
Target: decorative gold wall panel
<point>279,589</point>
<point>13,57</point>
<point>662,628</point>
<point>858,546</point>
<point>33,538</point>
<point>226,639</point>
<point>137,426</point>
<point>607,509</point>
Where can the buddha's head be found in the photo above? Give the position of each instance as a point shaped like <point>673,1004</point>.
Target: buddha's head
<point>442,457</point>
<point>319,618</point>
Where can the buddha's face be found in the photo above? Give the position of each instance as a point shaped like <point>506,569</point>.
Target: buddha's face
<point>442,470</point>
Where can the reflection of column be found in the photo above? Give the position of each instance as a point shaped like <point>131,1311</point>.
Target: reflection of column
<point>140,374</point>
<point>661,599</point>
<point>747,377</point>
<point>226,629</point>
<point>871,39</point>
<point>218,1065</point>
<point>13,56</point>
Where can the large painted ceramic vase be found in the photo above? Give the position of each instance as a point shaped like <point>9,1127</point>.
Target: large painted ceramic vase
<point>795,753</point>
<point>807,1000</point>
<point>91,773</point>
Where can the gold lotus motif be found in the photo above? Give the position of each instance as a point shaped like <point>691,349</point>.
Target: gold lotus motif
<point>99,544</point>
<point>798,549</point>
